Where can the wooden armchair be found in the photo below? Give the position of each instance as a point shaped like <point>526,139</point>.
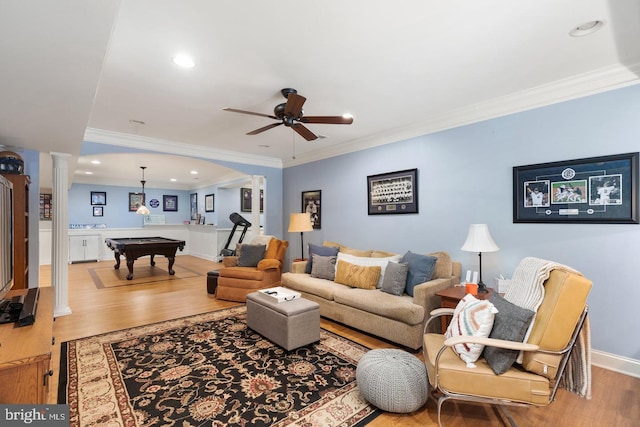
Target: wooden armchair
<point>553,337</point>
<point>235,282</point>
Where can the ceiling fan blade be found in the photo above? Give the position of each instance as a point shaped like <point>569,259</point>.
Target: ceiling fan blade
<point>303,131</point>
<point>233,110</point>
<point>332,120</point>
<point>294,105</point>
<point>262,129</point>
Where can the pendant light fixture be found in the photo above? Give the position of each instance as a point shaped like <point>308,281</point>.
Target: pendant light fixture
<point>142,209</point>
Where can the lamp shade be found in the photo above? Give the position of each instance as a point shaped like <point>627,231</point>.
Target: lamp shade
<point>143,210</point>
<point>299,222</point>
<point>479,239</point>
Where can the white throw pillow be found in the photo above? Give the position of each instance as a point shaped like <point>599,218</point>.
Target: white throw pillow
<point>369,262</point>
<point>471,317</point>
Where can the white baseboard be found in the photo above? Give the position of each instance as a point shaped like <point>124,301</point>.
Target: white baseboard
<point>613,362</point>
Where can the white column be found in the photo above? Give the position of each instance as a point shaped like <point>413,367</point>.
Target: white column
<point>60,235</point>
<point>256,180</point>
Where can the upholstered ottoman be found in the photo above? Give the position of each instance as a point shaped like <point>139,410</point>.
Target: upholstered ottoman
<point>290,324</point>
<point>393,380</point>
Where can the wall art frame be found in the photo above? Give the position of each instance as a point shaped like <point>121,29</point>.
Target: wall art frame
<point>311,204</point>
<point>98,210</point>
<point>193,203</point>
<point>98,198</point>
<point>596,190</point>
<point>135,201</point>
<point>169,203</point>
<point>46,207</point>
<point>209,202</point>
<point>393,192</point>
<point>246,200</point>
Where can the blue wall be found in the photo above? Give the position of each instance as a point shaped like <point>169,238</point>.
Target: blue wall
<point>465,177</point>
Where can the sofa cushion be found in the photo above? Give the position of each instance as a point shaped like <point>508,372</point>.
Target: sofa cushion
<point>444,266</point>
<point>356,252</point>
<point>382,304</point>
<point>510,323</point>
<point>395,278</point>
<point>471,317</point>
<point>368,262</point>
<point>272,248</point>
<point>357,276</point>
<point>251,255</point>
<point>319,250</point>
<point>420,269</point>
<point>303,282</point>
<point>324,267</point>
<point>382,254</point>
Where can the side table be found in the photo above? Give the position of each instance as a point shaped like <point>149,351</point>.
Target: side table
<point>450,297</point>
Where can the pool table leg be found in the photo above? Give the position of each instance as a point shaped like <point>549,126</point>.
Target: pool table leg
<point>172,259</point>
<point>153,263</point>
<point>117,256</point>
<point>130,267</point>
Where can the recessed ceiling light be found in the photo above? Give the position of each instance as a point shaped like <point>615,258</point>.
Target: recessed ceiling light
<point>173,180</point>
<point>183,60</point>
<point>194,172</point>
<point>586,28</point>
<point>88,173</point>
<point>95,162</point>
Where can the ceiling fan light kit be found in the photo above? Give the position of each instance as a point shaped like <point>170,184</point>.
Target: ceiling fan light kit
<point>291,115</point>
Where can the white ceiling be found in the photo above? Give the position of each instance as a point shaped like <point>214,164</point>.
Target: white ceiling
<point>84,69</point>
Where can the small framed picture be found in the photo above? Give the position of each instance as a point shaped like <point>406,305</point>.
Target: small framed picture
<point>209,202</point>
<point>193,197</point>
<point>169,203</point>
<point>98,198</point>
<point>246,200</point>
<point>311,205</point>
<point>135,201</point>
<point>98,211</point>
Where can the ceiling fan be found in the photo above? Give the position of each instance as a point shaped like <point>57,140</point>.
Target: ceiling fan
<point>291,115</point>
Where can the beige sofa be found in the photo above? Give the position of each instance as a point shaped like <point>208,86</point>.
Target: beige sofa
<point>399,319</point>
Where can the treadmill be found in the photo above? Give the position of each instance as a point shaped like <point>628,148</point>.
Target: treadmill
<point>238,221</point>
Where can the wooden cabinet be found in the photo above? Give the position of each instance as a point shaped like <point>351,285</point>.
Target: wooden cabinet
<point>84,248</point>
<point>25,354</point>
<point>20,229</point>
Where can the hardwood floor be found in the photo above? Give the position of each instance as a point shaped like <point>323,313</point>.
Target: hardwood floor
<point>120,304</point>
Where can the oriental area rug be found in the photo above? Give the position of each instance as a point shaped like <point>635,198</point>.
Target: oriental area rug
<point>210,369</point>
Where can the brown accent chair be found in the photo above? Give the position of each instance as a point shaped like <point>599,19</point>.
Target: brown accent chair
<point>234,282</point>
<point>553,337</point>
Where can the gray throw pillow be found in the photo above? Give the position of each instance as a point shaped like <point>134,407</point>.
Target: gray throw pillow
<point>251,255</point>
<point>510,323</point>
<point>324,267</point>
<point>421,268</point>
<point>395,278</point>
<point>319,250</point>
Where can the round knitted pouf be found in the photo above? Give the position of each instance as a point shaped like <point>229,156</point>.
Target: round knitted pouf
<point>393,380</point>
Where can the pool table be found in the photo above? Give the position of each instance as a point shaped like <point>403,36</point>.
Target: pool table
<point>135,247</point>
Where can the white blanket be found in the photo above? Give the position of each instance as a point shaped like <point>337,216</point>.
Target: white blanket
<point>527,291</point>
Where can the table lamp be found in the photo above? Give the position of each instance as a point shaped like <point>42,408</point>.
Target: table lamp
<point>479,240</point>
<point>300,222</point>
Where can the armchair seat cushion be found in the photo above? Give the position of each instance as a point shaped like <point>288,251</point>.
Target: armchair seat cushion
<point>245,273</point>
<point>453,375</point>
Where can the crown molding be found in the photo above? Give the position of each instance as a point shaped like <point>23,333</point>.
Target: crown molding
<point>598,81</point>
<point>179,148</point>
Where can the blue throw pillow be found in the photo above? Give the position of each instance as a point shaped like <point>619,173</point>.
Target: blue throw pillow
<point>319,250</point>
<point>421,269</point>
